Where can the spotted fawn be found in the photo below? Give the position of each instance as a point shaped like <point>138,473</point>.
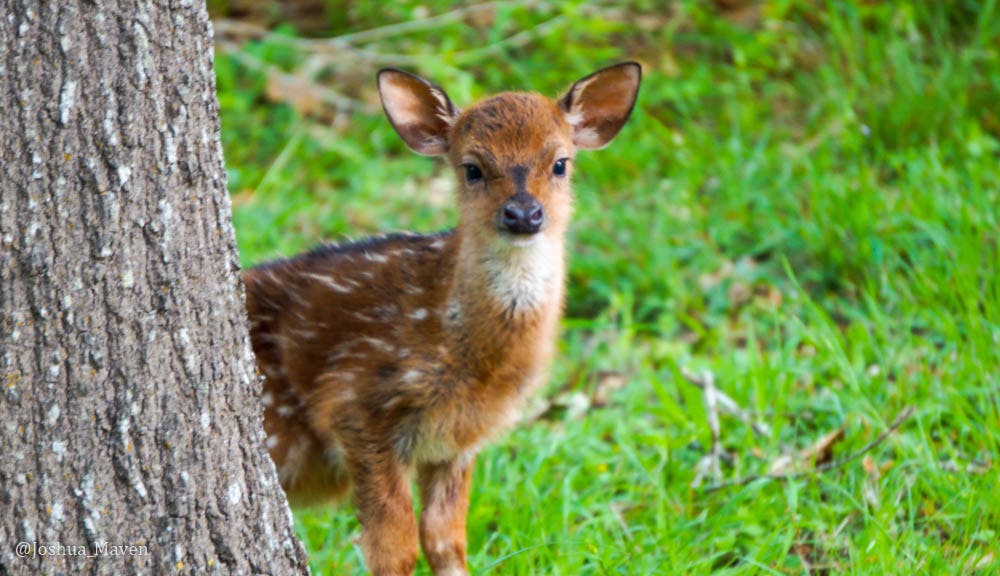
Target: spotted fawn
<point>407,352</point>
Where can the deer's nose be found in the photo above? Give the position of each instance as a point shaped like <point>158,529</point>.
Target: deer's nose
<point>522,214</point>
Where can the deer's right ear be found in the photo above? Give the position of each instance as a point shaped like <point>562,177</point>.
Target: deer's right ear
<point>420,111</point>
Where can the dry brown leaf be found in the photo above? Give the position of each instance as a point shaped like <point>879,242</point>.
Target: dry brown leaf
<point>782,465</point>
<point>482,19</point>
<point>569,405</point>
<point>821,451</point>
<point>774,297</point>
<point>713,279</point>
<point>987,561</point>
<point>869,465</point>
<point>818,453</point>
<point>568,402</point>
<point>607,381</point>
<point>738,294</point>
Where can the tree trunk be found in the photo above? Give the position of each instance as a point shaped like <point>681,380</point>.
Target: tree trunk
<point>129,403</point>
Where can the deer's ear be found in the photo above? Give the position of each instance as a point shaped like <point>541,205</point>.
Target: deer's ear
<point>420,111</point>
<point>598,105</point>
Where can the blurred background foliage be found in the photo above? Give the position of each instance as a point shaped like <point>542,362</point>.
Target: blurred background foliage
<point>804,204</point>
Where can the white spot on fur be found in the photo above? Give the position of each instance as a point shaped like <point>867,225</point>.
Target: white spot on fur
<point>297,298</point>
<point>411,375</point>
<point>345,351</point>
<point>418,314</point>
<point>347,395</point>
<point>272,442</point>
<point>303,334</point>
<point>454,312</point>
<point>373,257</point>
<point>267,399</point>
<point>273,338</point>
<point>330,283</point>
<point>294,459</point>
<point>363,317</point>
<point>285,410</point>
<point>274,373</point>
<point>378,344</point>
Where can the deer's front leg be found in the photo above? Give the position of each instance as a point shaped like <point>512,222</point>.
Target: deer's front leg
<point>385,510</point>
<point>444,491</point>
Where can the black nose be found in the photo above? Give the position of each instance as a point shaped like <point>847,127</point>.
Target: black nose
<point>522,214</point>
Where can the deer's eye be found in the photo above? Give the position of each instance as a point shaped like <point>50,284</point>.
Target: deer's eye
<point>472,173</point>
<point>559,168</point>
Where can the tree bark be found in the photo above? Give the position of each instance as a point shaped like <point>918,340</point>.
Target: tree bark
<point>129,404</point>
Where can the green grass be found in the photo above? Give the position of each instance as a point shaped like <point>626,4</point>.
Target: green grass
<point>806,202</point>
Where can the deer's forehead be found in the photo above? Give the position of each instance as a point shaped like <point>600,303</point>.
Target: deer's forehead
<point>512,125</point>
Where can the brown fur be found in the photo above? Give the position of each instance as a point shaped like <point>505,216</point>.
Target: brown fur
<point>408,352</point>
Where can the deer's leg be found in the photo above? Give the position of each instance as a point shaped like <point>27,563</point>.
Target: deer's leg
<point>385,509</point>
<point>444,491</point>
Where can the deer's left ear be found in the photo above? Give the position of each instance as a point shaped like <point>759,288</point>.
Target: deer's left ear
<point>598,105</point>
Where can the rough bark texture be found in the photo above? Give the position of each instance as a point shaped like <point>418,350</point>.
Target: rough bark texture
<point>129,404</point>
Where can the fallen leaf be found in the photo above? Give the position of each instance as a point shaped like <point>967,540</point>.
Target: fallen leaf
<point>869,465</point>
<point>871,489</point>
<point>818,453</point>
<point>821,451</point>
<point>607,381</point>
<point>987,561</point>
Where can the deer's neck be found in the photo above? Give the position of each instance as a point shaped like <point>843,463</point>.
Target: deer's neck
<point>505,302</point>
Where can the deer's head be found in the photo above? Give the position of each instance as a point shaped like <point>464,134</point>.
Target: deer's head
<point>512,153</point>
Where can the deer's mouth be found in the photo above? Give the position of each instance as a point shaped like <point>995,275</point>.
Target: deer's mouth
<point>521,241</point>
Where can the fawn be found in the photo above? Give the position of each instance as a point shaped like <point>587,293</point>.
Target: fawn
<point>409,351</point>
